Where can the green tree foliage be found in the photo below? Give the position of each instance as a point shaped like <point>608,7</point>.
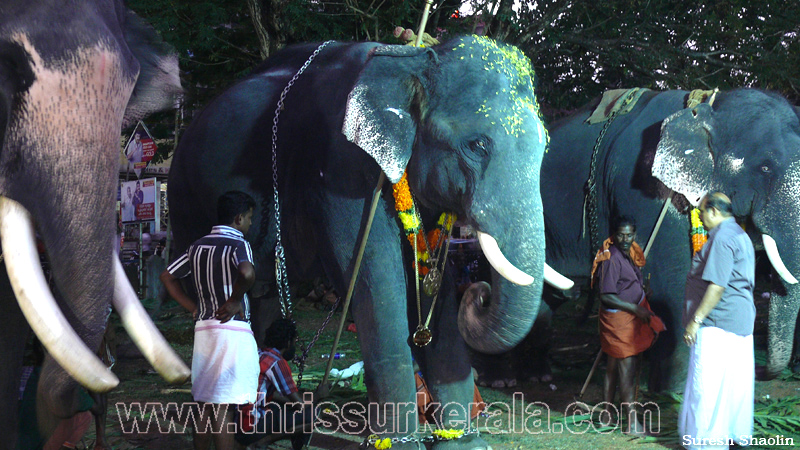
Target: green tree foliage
<point>218,40</point>
<point>581,48</point>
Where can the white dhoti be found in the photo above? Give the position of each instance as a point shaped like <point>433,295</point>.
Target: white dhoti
<point>717,408</point>
<point>224,362</point>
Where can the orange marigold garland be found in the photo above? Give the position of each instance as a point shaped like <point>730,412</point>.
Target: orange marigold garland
<point>404,204</point>
<point>699,233</point>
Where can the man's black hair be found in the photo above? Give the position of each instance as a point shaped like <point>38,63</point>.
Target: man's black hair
<point>620,221</point>
<point>720,203</point>
<point>232,203</point>
<point>280,334</point>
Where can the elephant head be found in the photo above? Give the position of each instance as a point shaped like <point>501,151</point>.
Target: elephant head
<point>70,77</point>
<point>747,145</point>
<point>463,121</point>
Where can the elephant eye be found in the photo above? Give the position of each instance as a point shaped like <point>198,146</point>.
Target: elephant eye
<point>480,146</point>
<point>765,169</point>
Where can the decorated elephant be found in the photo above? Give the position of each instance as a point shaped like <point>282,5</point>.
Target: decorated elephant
<point>642,148</point>
<point>461,121</point>
<point>70,77</point>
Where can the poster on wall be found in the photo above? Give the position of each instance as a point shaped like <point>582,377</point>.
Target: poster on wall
<point>140,149</point>
<point>139,201</point>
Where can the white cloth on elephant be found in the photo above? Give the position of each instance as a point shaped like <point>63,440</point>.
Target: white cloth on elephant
<point>717,407</point>
<point>224,362</point>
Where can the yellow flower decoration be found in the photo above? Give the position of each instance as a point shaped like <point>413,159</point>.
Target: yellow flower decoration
<point>448,434</point>
<point>410,221</point>
<point>384,443</point>
<point>696,221</point>
<point>698,233</point>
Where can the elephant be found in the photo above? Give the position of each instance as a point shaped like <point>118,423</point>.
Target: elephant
<point>661,154</point>
<point>71,76</point>
<point>461,120</point>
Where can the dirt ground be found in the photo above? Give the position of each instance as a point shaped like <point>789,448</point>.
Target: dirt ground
<point>573,352</point>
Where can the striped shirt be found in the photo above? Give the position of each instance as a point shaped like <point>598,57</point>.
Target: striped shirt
<point>276,375</point>
<point>213,261</point>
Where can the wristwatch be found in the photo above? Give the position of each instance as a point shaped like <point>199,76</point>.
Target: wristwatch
<point>697,320</point>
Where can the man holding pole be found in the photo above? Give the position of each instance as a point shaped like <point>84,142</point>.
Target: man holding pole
<point>627,325</point>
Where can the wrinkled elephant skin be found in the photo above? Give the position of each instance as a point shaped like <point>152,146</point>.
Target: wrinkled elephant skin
<point>68,83</point>
<point>745,144</point>
<point>460,117</point>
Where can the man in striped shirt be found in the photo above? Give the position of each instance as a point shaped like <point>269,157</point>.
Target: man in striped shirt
<point>225,365</point>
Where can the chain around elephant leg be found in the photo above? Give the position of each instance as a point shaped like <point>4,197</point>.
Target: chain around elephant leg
<point>473,442</point>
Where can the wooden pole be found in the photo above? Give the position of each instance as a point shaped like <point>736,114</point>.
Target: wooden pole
<point>658,225</point>
<point>591,372</point>
<point>423,22</point>
<point>376,195</point>
<point>646,252</point>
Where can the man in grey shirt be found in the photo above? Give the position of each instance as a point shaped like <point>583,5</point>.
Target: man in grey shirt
<point>719,314</point>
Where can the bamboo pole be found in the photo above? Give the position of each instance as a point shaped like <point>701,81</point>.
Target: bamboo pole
<point>376,195</point>
<point>423,22</point>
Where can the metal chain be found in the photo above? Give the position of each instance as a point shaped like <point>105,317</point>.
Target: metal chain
<point>372,439</point>
<point>281,278</point>
<point>591,202</point>
<point>300,361</point>
<point>444,265</point>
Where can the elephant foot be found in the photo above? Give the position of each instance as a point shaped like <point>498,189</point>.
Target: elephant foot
<point>546,378</point>
<point>495,383</point>
<point>500,384</point>
<point>469,442</point>
<point>539,372</point>
<point>542,378</point>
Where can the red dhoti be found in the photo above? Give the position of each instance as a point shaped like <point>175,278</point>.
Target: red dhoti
<point>622,334</point>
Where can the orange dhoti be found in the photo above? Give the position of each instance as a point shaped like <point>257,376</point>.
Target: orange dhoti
<point>622,334</point>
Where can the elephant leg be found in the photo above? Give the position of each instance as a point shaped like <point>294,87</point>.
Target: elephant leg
<point>445,366</point>
<point>783,311</point>
<point>13,336</point>
<point>494,371</point>
<point>378,306</point>
<point>530,357</point>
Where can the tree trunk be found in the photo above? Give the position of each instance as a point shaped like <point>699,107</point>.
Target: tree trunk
<point>261,32</point>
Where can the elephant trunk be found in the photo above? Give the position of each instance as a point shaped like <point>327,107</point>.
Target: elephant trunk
<point>494,319</point>
<point>779,227</point>
<point>782,311</point>
<point>77,227</point>
<point>782,314</point>
<point>62,170</point>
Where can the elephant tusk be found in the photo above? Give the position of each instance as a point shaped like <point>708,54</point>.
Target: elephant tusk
<point>775,259</point>
<point>556,280</point>
<point>38,305</point>
<point>499,262</point>
<point>143,331</point>
<point>513,274</point>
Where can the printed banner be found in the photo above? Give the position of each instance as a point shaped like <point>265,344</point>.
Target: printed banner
<point>140,149</point>
<point>139,200</point>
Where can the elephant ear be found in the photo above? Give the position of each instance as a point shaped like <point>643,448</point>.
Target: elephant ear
<point>378,117</point>
<point>158,85</point>
<point>684,159</point>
